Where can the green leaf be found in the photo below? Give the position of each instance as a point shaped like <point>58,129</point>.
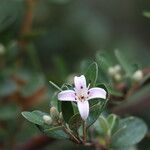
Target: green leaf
<point>146,14</point>
<point>55,132</point>
<point>104,62</point>
<point>35,117</point>
<point>92,74</point>
<point>84,65</point>
<point>104,124</point>
<point>95,111</point>
<point>67,111</point>
<point>75,122</point>
<point>113,122</point>
<point>127,66</point>
<point>131,131</point>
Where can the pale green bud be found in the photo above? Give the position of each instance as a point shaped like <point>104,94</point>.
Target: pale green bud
<point>117,68</point>
<point>111,71</point>
<point>138,75</point>
<point>118,77</point>
<point>47,119</point>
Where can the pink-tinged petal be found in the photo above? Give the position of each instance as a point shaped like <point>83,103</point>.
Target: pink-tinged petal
<point>97,93</point>
<point>67,95</point>
<point>80,82</point>
<point>83,109</point>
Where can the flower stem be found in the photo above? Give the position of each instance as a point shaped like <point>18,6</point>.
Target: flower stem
<point>84,132</point>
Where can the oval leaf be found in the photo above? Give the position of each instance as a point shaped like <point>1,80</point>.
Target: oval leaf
<point>132,130</point>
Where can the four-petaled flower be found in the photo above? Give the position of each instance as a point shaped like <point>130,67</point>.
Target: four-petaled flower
<point>81,94</point>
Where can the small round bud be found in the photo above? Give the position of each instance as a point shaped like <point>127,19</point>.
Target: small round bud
<point>2,49</point>
<point>117,68</point>
<point>60,116</point>
<point>47,119</point>
<point>117,77</point>
<point>111,71</point>
<point>54,113</point>
<point>138,75</point>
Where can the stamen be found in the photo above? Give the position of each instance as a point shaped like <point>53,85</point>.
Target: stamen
<point>88,92</point>
<point>82,97</point>
<point>81,87</point>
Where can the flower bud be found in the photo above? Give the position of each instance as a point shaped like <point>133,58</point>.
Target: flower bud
<point>47,119</point>
<point>138,75</point>
<point>117,77</point>
<point>54,113</point>
<point>117,68</point>
<point>111,71</point>
<point>2,49</point>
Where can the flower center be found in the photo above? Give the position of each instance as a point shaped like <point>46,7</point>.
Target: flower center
<point>82,95</point>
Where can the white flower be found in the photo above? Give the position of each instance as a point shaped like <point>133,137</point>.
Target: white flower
<point>138,75</point>
<point>81,94</point>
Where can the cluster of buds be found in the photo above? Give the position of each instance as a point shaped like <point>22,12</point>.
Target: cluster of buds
<point>115,72</point>
<point>55,117</point>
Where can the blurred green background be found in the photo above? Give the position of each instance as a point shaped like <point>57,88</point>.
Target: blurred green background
<point>42,40</point>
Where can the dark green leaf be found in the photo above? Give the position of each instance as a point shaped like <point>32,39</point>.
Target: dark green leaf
<point>67,111</point>
<point>95,112</point>
<point>75,122</point>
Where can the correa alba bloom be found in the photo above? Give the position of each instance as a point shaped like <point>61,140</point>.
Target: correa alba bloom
<point>81,94</point>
